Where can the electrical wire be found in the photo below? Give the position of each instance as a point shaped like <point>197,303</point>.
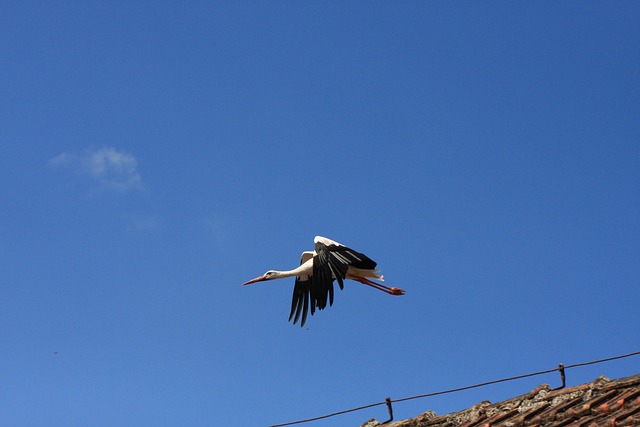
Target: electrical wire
<point>561,368</point>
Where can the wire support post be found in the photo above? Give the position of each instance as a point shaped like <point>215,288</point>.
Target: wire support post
<point>390,408</point>
<point>563,377</point>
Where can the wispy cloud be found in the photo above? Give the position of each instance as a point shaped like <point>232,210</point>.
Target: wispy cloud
<point>142,223</point>
<point>112,169</point>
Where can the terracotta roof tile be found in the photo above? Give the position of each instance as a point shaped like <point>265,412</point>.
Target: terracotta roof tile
<point>601,403</point>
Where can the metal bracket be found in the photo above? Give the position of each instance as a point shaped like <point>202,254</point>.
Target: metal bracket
<point>388,401</point>
<point>562,376</point>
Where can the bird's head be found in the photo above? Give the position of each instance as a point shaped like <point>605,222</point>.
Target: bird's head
<point>271,274</point>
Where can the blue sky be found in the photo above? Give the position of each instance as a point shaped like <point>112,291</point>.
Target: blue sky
<point>156,155</point>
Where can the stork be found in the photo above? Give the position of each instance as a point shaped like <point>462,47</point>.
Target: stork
<point>318,269</point>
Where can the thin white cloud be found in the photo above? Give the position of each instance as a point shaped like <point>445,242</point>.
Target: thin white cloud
<point>62,159</point>
<point>112,169</point>
<point>143,223</point>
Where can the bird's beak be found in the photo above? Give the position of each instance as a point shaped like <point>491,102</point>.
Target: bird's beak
<point>257,279</point>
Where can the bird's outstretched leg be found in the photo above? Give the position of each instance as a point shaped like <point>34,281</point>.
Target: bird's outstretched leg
<point>380,286</point>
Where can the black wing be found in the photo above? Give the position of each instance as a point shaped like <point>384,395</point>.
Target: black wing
<point>300,301</point>
<point>330,262</point>
<point>303,295</point>
<point>309,293</point>
<point>334,259</point>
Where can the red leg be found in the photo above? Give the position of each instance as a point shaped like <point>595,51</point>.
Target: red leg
<point>380,286</point>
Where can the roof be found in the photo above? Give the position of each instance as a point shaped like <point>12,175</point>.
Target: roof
<point>601,403</point>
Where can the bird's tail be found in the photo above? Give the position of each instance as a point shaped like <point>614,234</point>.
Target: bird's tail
<point>373,274</point>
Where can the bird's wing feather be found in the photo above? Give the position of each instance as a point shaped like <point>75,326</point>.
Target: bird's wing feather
<point>304,294</point>
<point>298,305</point>
<point>308,295</point>
<point>336,259</point>
<point>306,256</point>
<point>331,260</point>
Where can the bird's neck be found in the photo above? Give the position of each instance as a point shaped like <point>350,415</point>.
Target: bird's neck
<point>286,273</point>
<point>302,270</point>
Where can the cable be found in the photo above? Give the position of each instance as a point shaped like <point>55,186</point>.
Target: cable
<point>560,368</point>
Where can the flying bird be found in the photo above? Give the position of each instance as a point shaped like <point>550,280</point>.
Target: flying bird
<point>318,269</point>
